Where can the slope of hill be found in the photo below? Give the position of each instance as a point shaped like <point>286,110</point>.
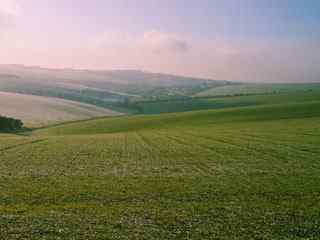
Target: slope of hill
<point>238,173</point>
<point>101,88</point>
<point>131,91</point>
<point>254,89</point>
<point>176,120</point>
<point>38,111</point>
<point>202,103</point>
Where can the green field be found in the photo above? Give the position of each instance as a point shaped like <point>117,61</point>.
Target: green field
<point>242,172</point>
<point>202,103</point>
<point>259,88</point>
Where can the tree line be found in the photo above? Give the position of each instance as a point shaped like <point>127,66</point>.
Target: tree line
<point>10,124</point>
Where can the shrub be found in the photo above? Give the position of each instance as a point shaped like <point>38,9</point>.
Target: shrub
<point>10,124</point>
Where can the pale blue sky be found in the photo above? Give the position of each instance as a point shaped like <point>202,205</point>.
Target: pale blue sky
<point>269,40</point>
<point>209,18</point>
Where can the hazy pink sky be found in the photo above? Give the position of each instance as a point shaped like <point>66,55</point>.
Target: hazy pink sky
<point>262,40</point>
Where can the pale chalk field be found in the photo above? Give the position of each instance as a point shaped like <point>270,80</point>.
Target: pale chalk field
<point>36,111</point>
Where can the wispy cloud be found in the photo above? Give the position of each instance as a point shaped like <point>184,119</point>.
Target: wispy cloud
<point>270,61</point>
<point>214,39</point>
<point>9,7</point>
<point>161,41</point>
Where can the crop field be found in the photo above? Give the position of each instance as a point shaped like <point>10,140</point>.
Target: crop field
<point>249,172</point>
<point>202,103</point>
<point>248,89</point>
<point>37,111</point>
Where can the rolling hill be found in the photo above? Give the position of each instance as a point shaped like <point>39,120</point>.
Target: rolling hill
<point>259,88</point>
<point>220,102</point>
<point>245,172</point>
<point>132,91</point>
<point>103,88</point>
<point>37,111</point>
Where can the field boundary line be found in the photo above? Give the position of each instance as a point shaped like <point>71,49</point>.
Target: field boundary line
<point>22,144</point>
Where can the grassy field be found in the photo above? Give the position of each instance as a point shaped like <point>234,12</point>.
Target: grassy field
<point>202,103</point>
<point>272,88</point>
<point>237,173</point>
<point>37,111</point>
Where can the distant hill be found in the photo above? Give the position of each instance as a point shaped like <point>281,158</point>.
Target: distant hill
<point>126,91</point>
<point>101,88</point>
<point>37,111</point>
<point>253,89</point>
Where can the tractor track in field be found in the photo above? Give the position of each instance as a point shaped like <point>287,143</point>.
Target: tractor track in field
<point>22,144</point>
<point>253,152</point>
<point>151,148</point>
<point>199,166</point>
<point>177,139</point>
<point>196,166</point>
<point>257,153</point>
<point>227,143</point>
<point>279,142</point>
<point>261,152</point>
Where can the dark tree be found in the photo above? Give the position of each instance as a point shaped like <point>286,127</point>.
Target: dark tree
<point>10,124</point>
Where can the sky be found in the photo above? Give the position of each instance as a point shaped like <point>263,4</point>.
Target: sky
<point>244,40</point>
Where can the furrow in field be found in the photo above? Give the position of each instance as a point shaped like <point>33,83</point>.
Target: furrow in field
<point>204,159</point>
<point>232,141</point>
<point>171,158</point>
<point>244,157</point>
<point>288,142</point>
<point>213,145</point>
<point>275,156</point>
<point>299,148</point>
<point>22,144</point>
<point>155,161</point>
<point>166,153</point>
<point>115,155</point>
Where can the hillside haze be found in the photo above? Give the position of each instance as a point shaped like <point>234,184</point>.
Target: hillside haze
<point>114,83</point>
<point>37,111</point>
